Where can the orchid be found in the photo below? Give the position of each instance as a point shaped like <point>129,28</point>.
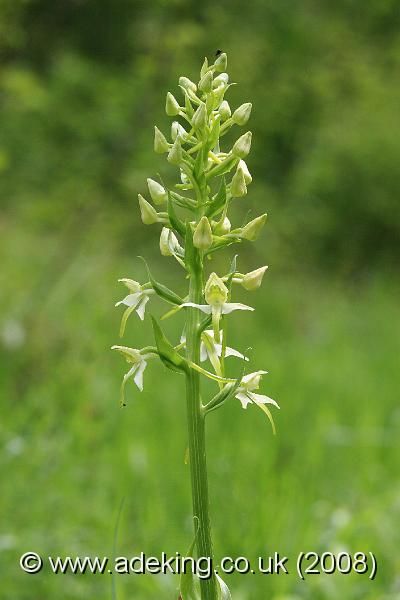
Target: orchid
<point>138,361</point>
<point>216,295</point>
<point>193,227</point>
<point>136,301</point>
<point>246,394</point>
<point>209,349</point>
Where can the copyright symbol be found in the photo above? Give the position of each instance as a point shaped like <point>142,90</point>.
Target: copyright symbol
<point>30,562</point>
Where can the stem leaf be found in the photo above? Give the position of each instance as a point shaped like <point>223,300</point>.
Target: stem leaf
<point>162,290</point>
<point>169,356</point>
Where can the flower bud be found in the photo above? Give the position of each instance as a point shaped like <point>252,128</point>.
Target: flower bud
<point>160,143</point>
<point>172,107</point>
<point>205,83</point>
<point>168,242</point>
<point>222,227</point>
<point>215,291</point>
<point>242,146</point>
<point>177,129</point>
<point>147,211</point>
<point>221,79</point>
<point>218,95</point>
<point>221,62</point>
<point>175,154</point>
<point>187,84</point>
<point>157,192</point>
<point>224,110</point>
<point>252,280</point>
<point>202,237</point>
<point>204,67</point>
<point>132,285</point>
<point>252,230</point>
<point>238,184</point>
<point>247,175</point>
<point>199,118</point>
<point>242,114</point>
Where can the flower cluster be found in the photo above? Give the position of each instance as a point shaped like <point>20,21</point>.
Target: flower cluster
<point>193,215</point>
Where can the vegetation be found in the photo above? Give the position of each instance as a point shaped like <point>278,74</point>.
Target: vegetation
<point>81,85</point>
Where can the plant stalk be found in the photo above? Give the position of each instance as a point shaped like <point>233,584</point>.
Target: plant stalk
<point>196,433</point>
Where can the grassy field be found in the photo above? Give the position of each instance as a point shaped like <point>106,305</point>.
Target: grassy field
<point>328,481</point>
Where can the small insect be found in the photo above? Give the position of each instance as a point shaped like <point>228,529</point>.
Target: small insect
<point>218,52</point>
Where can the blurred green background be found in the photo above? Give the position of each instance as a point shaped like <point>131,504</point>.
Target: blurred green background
<point>82,84</point>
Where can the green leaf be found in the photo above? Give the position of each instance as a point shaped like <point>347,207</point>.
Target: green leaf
<point>198,170</point>
<point>188,106</point>
<point>176,223</point>
<point>224,167</point>
<point>169,356</point>
<point>224,395</point>
<point>214,134</point>
<point>192,257</point>
<point>219,200</point>
<point>161,289</point>
<point>189,585</point>
<point>231,273</point>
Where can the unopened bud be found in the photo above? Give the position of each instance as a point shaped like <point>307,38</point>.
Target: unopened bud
<point>157,192</point>
<point>252,281</point>
<point>221,62</point>
<point>204,67</point>
<point>218,94</point>
<point>224,110</point>
<point>199,118</point>
<point>222,227</point>
<point>242,146</point>
<point>247,175</point>
<point>177,129</point>
<point>222,79</point>
<point>205,83</point>
<point>215,291</point>
<point>187,84</point>
<point>202,237</point>
<point>160,143</point>
<point>147,211</point>
<point>175,154</point>
<point>238,184</point>
<point>252,230</point>
<point>242,114</point>
<point>172,107</point>
<point>168,242</point>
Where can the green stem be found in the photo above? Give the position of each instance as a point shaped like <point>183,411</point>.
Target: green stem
<point>197,446</point>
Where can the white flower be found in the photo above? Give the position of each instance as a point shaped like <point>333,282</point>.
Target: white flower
<point>139,362</point>
<point>208,344</point>
<point>216,295</point>
<point>245,392</point>
<point>135,301</point>
<point>209,349</point>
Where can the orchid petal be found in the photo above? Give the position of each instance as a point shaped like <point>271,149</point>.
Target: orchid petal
<point>138,378</point>
<point>250,376</point>
<point>244,399</point>
<point>141,307</point>
<point>131,299</point>
<point>229,352</point>
<point>124,319</point>
<point>203,352</point>
<point>229,307</point>
<point>125,379</point>
<point>262,399</point>
<point>205,308</point>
